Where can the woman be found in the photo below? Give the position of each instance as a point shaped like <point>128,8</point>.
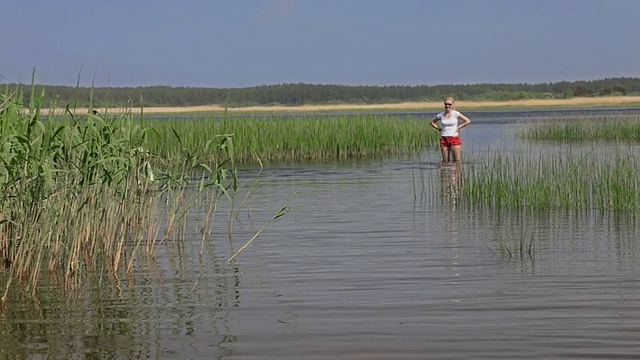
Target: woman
<point>451,121</point>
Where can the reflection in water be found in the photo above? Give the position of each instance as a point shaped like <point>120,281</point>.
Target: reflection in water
<point>451,182</point>
<point>162,311</point>
<point>559,238</point>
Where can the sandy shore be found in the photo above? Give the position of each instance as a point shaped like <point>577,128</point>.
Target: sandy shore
<point>611,101</point>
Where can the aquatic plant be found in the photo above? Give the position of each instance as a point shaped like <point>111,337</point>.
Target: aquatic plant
<point>295,138</point>
<point>602,127</point>
<point>580,179</point>
<point>83,193</point>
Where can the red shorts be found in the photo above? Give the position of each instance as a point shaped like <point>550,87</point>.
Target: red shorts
<point>449,141</point>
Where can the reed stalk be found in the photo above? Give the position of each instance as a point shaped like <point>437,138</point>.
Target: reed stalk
<point>80,193</point>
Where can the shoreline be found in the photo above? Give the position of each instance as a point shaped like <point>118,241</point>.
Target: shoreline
<point>461,105</point>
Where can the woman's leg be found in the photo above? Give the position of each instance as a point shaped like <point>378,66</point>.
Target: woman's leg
<point>445,153</point>
<point>456,151</point>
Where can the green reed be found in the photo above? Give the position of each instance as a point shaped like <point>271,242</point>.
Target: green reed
<point>83,192</point>
<point>567,179</point>
<point>601,127</point>
<point>279,138</point>
<point>97,191</point>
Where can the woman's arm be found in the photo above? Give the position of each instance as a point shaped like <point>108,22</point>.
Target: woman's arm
<point>465,121</point>
<point>434,123</point>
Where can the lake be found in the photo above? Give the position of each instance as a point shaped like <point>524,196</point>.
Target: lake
<point>377,261</point>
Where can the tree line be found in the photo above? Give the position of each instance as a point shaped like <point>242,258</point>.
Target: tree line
<point>302,93</point>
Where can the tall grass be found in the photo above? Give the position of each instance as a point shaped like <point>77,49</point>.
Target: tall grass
<point>570,180</point>
<point>82,193</point>
<point>602,177</point>
<point>97,191</point>
<point>278,138</point>
<point>603,127</point>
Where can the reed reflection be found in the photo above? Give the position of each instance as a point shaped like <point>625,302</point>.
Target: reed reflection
<point>181,301</point>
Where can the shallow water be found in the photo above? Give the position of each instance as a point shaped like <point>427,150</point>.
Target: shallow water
<point>377,261</point>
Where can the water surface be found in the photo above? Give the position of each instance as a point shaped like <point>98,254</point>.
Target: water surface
<point>377,261</point>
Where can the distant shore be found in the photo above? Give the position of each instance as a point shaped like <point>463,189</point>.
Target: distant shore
<point>577,102</point>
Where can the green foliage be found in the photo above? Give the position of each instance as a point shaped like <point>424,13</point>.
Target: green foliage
<point>582,89</point>
<point>619,89</point>
<point>81,192</point>
<point>276,138</point>
<point>301,93</point>
<point>582,180</point>
<point>598,178</point>
<point>568,94</point>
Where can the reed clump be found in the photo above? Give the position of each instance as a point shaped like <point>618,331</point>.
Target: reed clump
<point>571,180</point>
<point>82,193</point>
<point>296,138</point>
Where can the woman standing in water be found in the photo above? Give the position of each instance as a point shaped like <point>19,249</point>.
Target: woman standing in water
<point>451,121</point>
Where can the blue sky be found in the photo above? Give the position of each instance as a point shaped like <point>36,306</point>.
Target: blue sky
<point>237,43</point>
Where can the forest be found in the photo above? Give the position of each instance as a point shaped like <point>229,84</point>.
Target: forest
<point>303,94</point>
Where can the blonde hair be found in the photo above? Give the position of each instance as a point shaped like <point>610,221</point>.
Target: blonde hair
<point>453,101</point>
